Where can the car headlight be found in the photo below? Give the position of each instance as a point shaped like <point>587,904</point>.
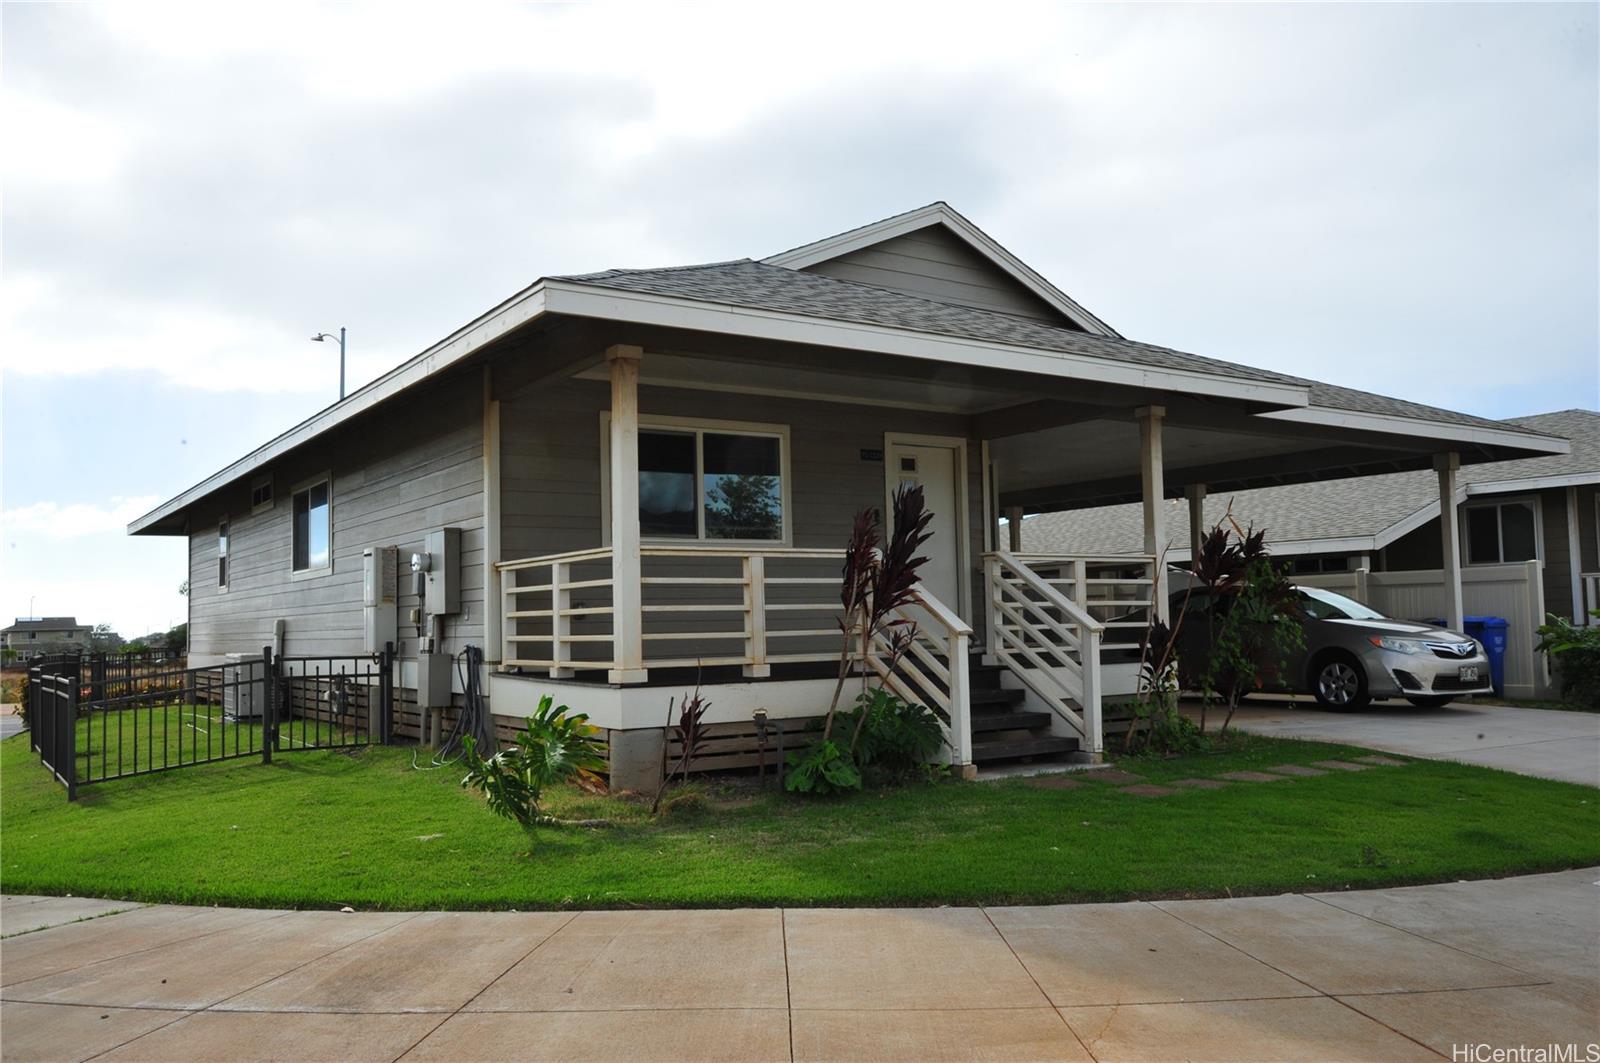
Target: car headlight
<point>1409,646</point>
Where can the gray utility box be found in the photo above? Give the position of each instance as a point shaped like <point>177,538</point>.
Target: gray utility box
<point>433,680</point>
<point>380,585</point>
<point>443,596</point>
<point>244,691</point>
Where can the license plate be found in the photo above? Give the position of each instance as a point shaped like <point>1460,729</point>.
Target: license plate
<point>1469,675</point>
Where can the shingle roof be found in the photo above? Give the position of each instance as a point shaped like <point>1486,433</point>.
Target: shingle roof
<point>760,286</point>
<point>43,623</point>
<point>1300,514</point>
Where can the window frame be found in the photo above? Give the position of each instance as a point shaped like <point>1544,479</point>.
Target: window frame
<point>700,426</point>
<point>1496,503</point>
<point>224,554</point>
<point>312,571</point>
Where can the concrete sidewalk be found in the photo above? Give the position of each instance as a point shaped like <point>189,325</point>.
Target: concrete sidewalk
<point>1391,974</point>
<point>1547,743</point>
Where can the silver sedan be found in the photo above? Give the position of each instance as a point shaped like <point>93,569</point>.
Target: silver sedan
<point>1353,654</point>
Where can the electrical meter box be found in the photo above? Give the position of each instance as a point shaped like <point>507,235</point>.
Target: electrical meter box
<point>380,586</point>
<point>433,680</point>
<point>443,589</point>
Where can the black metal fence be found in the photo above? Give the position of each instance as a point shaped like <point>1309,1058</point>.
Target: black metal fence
<point>94,728</point>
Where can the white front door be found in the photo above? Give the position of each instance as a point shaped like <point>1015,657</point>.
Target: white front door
<point>936,469</point>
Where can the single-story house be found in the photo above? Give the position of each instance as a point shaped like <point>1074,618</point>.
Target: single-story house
<point>44,634</point>
<point>623,483</point>
<point>1528,544</point>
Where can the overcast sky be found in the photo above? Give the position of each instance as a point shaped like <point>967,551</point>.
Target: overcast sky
<point>1400,198</point>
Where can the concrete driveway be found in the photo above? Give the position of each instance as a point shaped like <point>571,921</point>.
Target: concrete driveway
<point>1393,974</point>
<point>1547,743</point>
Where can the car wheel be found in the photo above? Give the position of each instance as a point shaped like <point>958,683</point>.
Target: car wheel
<point>1431,703</point>
<point>1340,683</point>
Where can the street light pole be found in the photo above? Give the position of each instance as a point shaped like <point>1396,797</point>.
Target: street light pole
<point>318,338</point>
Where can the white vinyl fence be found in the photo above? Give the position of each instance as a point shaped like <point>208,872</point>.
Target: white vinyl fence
<point>1514,592</point>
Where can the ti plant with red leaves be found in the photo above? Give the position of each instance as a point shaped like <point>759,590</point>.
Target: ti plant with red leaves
<point>876,583</point>
<point>878,580</point>
<point>689,731</point>
<point>1252,618</point>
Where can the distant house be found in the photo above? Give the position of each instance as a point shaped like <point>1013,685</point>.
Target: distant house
<point>620,484</point>
<point>46,634</point>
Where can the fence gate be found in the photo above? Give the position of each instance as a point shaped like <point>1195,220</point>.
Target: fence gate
<point>94,725</point>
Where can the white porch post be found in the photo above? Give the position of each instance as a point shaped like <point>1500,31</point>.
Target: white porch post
<point>1152,477</point>
<point>627,616</point>
<point>1575,557</point>
<point>1450,536</point>
<point>1014,529</point>
<point>1196,494</point>
<point>494,606</point>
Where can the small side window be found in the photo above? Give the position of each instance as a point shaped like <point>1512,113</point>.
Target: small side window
<point>261,495</point>
<point>222,555</point>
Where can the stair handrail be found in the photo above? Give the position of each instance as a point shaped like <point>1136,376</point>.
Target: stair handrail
<point>1086,641</point>
<point>955,640</point>
<point>1079,615</point>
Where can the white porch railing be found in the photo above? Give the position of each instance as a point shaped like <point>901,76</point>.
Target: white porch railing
<point>1042,627</point>
<point>1591,597</point>
<point>749,607</point>
<point>933,669</point>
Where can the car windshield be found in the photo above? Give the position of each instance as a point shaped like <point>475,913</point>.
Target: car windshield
<point>1326,605</point>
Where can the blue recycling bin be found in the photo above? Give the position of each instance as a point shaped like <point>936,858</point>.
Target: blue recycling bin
<point>1491,631</point>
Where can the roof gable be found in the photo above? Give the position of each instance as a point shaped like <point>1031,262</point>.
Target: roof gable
<point>935,253</point>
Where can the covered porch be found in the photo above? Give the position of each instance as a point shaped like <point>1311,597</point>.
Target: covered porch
<point>1020,654</point>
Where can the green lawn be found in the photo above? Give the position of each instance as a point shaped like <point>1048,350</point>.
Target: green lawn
<point>363,828</point>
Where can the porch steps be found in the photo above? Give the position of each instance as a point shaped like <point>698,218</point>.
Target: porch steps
<point>1001,729</point>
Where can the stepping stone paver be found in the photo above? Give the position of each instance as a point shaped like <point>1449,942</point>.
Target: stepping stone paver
<point>1114,776</point>
<point>1388,762</point>
<point>1200,784</point>
<point>1341,765</point>
<point>1054,782</point>
<point>1147,790</point>
<point>1251,776</point>
<point>1295,769</point>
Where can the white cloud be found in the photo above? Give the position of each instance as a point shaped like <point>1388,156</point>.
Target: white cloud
<point>75,519</point>
<point>44,331</point>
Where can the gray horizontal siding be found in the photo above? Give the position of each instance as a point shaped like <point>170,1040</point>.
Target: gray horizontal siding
<point>551,482</point>
<point>936,264</point>
<point>419,468</point>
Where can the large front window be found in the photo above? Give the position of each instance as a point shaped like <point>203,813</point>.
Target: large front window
<point>312,532</point>
<point>710,484</point>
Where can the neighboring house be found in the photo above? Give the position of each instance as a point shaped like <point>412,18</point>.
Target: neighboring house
<point>1543,511</point>
<point>46,634</point>
<point>629,482</point>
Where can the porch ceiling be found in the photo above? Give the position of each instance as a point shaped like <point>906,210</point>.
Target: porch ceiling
<point>1096,462</point>
<point>1061,444</point>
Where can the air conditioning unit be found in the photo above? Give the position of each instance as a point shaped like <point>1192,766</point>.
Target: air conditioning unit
<point>244,690</point>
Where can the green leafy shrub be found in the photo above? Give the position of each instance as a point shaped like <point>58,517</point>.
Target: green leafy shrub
<point>1576,653</point>
<point>1158,727</point>
<point>557,745</point>
<point>894,738</point>
<point>822,768</point>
